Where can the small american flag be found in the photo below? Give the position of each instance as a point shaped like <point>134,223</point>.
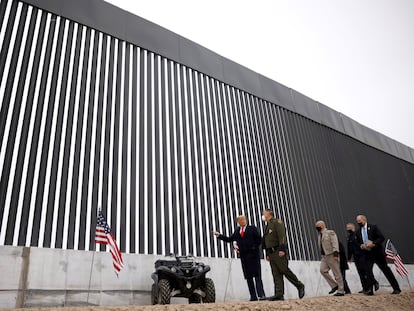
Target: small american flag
<point>103,235</point>
<point>392,254</point>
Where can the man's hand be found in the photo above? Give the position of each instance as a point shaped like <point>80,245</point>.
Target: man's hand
<point>336,258</point>
<point>363,246</point>
<point>216,233</point>
<point>236,247</point>
<point>267,258</point>
<point>281,253</point>
<point>370,244</point>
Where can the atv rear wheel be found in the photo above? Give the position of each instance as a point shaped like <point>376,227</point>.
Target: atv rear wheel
<point>210,291</point>
<point>154,294</point>
<point>164,292</point>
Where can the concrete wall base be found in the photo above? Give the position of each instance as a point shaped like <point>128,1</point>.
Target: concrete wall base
<point>54,277</point>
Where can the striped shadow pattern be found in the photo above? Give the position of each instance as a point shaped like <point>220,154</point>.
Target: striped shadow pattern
<point>168,153</point>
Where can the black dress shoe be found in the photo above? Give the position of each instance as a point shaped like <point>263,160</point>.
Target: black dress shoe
<point>339,294</point>
<point>396,292</point>
<point>301,291</point>
<point>253,299</point>
<point>262,298</point>
<point>348,293</point>
<point>376,286</point>
<point>361,291</point>
<point>333,290</point>
<point>275,298</point>
<point>369,293</point>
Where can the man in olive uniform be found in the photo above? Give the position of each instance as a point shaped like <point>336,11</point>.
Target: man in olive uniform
<point>274,242</point>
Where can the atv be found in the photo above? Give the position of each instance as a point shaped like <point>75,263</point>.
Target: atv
<point>181,277</point>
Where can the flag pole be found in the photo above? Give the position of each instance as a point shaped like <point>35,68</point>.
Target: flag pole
<point>90,276</point>
<point>93,258</point>
<point>409,284</point>
<point>228,279</point>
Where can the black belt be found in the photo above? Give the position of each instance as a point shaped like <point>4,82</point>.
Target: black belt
<point>271,250</point>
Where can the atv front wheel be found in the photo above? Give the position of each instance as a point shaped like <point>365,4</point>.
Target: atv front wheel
<point>194,298</point>
<point>210,291</point>
<point>164,292</point>
<point>154,294</point>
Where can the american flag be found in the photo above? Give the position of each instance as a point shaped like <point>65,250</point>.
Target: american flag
<point>103,235</point>
<point>391,254</point>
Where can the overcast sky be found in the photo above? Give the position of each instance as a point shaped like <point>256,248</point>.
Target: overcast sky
<point>355,56</point>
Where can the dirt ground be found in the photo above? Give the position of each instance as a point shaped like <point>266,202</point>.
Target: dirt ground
<point>379,302</point>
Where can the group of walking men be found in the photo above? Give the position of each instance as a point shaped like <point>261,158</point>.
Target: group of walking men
<point>365,247</point>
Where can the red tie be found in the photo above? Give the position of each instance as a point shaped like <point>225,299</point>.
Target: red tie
<point>242,232</point>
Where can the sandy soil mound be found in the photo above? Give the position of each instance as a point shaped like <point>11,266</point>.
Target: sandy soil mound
<point>381,301</point>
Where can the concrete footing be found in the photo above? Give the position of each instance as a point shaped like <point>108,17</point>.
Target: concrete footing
<point>32,277</point>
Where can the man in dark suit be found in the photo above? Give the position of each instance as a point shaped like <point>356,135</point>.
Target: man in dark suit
<point>275,243</point>
<point>371,241</point>
<point>246,241</point>
<point>343,265</point>
<point>355,254</point>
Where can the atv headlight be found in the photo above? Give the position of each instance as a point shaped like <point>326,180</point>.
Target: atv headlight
<point>173,269</point>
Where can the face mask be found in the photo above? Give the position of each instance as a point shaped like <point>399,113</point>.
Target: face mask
<point>350,231</point>
<point>360,224</point>
<point>319,229</point>
<point>263,218</point>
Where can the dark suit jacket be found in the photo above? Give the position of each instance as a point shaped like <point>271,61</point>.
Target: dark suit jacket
<point>249,248</point>
<point>374,235</point>
<point>354,247</point>
<point>343,263</point>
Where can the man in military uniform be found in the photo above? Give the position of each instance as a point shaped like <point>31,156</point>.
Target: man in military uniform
<point>274,243</point>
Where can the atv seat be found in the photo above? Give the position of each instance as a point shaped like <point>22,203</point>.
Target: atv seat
<point>165,263</point>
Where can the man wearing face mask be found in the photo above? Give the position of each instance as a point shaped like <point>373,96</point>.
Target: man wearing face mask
<point>370,239</point>
<point>355,253</point>
<point>329,248</point>
<point>274,243</point>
